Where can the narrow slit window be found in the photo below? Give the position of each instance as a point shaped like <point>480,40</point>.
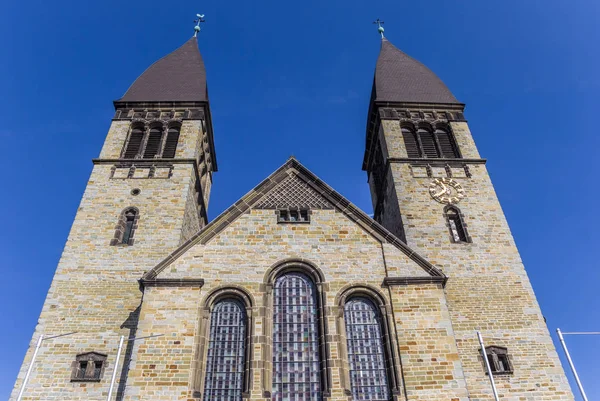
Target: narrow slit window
<point>368,371</point>
<point>226,352</point>
<point>171,143</point>
<point>153,144</point>
<point>135,141</point>
<point>458,230</point>
<point>126,227</point>
<point>129,222</point>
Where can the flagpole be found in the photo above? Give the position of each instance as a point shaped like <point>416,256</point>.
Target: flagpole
<point>564,345</point>
<point>488,367</point>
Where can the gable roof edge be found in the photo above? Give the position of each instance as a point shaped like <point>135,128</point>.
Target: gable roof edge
<point>338,201</point>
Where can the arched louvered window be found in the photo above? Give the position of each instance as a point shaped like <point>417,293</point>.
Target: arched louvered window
<point>171,143</point>
<point>427,143</point>
<point>447,147</point>
<point>296,356</point>
<point>410,141</point>
<point>226,352</point>
<point>134,144</point>
<point>458,229</point>
<point>126,227</point>
<point>153,143</point>
<point>364,334</point>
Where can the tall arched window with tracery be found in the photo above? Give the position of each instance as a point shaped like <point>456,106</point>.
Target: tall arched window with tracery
<point>366,354</point>
<point>296,353</point>
<point>225,362</point>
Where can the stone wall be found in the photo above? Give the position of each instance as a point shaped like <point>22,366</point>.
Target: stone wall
<point>488,288</point>
<point>95,290</point>
<point>241,256</point>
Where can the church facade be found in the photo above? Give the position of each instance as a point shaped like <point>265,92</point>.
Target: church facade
<point>292,293</point>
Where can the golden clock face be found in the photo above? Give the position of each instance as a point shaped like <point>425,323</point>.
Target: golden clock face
<point>446,190</point>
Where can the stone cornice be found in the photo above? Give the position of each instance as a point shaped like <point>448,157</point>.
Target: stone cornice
<point>435,162</point>
<point>171,282</point>
<point>154,162</point>
<point>396,281</point>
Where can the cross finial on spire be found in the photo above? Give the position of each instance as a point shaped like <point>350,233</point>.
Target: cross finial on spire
<point>198,20</point>
<point>380,28</point>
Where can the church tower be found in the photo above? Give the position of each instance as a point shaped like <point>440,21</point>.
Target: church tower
<point>430,187</point>
<point>147,194</point>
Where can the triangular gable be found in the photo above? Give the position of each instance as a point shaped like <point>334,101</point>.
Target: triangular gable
<point>290,186</point>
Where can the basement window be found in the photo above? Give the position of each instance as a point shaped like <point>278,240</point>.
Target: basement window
<point>293,216</point>
<point>88,367</point>
<point>499,360</point>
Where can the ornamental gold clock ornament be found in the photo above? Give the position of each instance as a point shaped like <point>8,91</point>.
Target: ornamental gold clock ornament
<point>446,190</point>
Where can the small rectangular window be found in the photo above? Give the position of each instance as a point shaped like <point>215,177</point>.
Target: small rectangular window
<point>88,367</point>
<point>97,369</point>
<point>82,369</point>
<point>293,216</point>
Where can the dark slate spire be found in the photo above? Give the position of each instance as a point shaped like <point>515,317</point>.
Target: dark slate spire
<point>177,77</point>
<point>400,78</point>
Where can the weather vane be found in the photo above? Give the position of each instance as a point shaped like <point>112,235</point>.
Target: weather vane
<point>380,28</point>
<point>197,21</point>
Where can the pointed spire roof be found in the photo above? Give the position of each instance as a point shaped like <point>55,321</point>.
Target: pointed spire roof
<point>179,76</point>
<point>400,78</point>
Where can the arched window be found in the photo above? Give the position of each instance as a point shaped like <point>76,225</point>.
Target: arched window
<point>439,144</point>
<point>458,228</point>
<point>410,141</point>
<point>364,335</point>
<point>296,353</point>
<point>153,143</point>
<point>447,147</point>
<point>171,143</point>
<point>126,227</point>
<point>135,142</point>
<point>427,143</point>
<point>225,363</point>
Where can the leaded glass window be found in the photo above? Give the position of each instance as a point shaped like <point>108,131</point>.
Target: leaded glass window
<point>296,370</point>
<point>368,376</point>
<point>226,352</point>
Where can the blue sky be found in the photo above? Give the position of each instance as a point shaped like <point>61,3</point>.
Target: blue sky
<point>294,78</point>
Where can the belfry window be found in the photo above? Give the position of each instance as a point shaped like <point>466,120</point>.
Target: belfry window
<point>296,352</point>
<point>498,360</point>
<point>151,143</point>
<point>171,143</point>
<point>135,142</point>
<point>368,373</point>
<point>126,227</point>
<point>456,225</point>
<point>431,145</point>
<point>226,352</point>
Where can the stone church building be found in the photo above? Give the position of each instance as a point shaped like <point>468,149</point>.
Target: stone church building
<point>292,293</point>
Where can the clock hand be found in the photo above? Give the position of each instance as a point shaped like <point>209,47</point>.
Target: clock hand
<point>443,191</point>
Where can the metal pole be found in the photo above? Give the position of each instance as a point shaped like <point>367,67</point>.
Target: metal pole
<point>488,367</point>
<point>37,348</point>
<point>114,375</point>
<point>562,341</point>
